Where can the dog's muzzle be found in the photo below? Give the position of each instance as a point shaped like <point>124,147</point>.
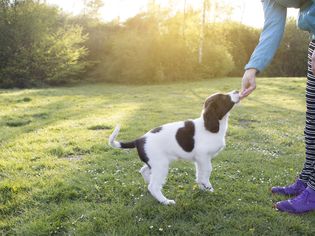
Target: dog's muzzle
<point>235,96</point>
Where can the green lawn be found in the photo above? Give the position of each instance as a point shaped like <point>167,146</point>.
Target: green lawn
<point>59,177</point>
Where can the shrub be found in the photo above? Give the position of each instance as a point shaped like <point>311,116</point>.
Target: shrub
<point>217,61</point>
<point>37,46</point>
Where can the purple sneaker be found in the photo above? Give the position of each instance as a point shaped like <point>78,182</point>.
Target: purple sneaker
<point>294,189</point>
<point>303,203</point>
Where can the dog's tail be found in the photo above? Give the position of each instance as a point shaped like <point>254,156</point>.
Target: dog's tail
<point>115,144</point>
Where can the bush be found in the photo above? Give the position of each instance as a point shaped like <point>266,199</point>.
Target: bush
<point>291,57</point>
<point>133,58</point>
<point>40,45</point>
<point>241,41</point>
<point>217,61</point>
<point>145,52</point>
<point>37,46</point>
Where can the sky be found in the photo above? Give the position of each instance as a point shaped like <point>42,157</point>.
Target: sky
<point>247,11</point>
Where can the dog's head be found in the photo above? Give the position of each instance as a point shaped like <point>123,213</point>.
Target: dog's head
<point>216,107</point>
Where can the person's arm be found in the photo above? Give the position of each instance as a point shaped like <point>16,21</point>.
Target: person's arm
<point>270,38</point>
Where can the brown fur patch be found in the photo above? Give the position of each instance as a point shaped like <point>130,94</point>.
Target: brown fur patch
<point>215,108</point>
<point>156,130</point>
<point>185,136</point>
<point>141,151</point>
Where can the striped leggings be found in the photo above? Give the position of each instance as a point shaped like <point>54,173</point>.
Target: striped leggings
<point>308,173</point>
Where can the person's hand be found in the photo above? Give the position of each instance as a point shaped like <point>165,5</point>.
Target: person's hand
<point>249,82</point>
<point>313,62</point>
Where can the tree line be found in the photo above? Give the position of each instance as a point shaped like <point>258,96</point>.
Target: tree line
<point>40,45</point>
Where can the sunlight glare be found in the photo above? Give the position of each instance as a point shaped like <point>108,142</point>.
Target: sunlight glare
<point>246,11</point>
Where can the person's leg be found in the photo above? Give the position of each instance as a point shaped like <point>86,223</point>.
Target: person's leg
<point>308,170</point>
<point>309,132</point>
<point>305,201</point>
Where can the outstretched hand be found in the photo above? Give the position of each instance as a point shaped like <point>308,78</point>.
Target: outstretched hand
<point>248,83</point>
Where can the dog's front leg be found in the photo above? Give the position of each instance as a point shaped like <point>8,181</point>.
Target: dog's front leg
<point>203,172</point>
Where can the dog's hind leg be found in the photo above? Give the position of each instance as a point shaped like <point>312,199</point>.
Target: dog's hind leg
<point>158,176</point>
<point>145,172</point>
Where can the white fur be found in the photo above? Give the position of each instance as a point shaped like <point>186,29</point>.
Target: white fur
<point>111,140</point>
<point>162,148</point>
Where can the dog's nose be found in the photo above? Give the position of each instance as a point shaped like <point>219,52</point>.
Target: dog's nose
<point>236,92</point>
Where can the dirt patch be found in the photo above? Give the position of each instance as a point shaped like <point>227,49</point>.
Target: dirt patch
<point>74,157</point>
<point>247,122</point>
<point>100,127</point>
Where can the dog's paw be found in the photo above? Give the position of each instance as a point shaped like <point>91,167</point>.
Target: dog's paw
<point>206,187</point>
<point>169,202</point>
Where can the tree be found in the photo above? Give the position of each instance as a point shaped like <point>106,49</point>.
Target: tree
<point>205,8</point>
<point>184,20</point>
<point>38,46</point>
<point>92,8</point>
<point>291,57</point>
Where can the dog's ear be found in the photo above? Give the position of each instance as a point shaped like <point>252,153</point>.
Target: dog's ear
<point>210,117</point>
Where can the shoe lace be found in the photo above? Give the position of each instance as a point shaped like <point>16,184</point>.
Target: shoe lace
<point>303,195</point>
<point>296,185</point>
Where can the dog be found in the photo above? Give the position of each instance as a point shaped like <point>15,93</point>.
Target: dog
<point>197,140</point>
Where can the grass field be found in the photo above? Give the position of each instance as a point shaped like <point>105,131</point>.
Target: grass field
<point>59,177</point>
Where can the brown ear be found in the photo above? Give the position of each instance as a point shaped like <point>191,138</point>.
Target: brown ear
<point>211,119</point>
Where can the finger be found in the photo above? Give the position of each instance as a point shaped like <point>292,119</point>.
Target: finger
<point>245,96</point>
<point>243,86</point>
<point>248,92</point>
<point>244,93</point>
<point>245,90</point>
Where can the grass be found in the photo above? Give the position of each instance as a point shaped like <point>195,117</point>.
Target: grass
<point>59,177</point>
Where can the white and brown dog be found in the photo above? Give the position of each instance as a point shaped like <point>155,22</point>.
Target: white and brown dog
<point>196,140</point>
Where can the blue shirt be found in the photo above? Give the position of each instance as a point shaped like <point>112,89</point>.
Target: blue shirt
<point>270,38</point>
